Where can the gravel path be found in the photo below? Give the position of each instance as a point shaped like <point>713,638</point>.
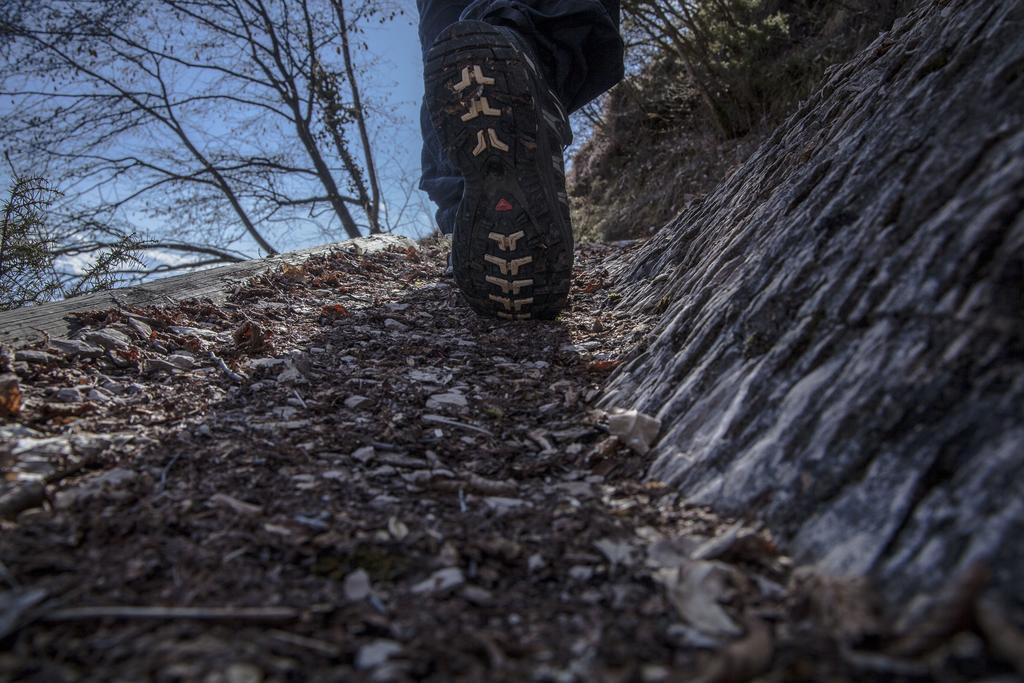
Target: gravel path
<point>344,475</point>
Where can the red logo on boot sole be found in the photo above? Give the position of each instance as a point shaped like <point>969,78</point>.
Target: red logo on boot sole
<point>503,205</point>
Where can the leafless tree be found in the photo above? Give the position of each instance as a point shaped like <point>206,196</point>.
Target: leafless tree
<point>210,127</point>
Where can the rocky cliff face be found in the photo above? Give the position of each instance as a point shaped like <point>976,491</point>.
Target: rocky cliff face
<point>841,347</point>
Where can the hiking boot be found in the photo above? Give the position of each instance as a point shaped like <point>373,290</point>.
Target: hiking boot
<point>500,124</point>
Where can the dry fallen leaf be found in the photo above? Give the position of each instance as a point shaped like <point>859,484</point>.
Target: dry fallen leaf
<point>251,338</point>
<point>694,588</point>
<point>744,659</point>
<point>333,311</point>
<point>293,272</point>
<point>10,395</point>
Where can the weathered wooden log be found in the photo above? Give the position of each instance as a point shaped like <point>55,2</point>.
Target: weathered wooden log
<point>25,325</point>
<point>842,353</point>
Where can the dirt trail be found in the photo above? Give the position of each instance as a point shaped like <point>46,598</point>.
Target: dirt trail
<point>343,474</point>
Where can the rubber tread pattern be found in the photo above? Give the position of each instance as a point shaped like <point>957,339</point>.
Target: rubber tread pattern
<point>530,175</point>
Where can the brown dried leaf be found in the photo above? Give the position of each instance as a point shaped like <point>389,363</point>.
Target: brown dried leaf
<point>10,395</point>
<point>604,365</point>
<point>293,272</point>
<point>745,659</point>
<point>250,337</point>
<point>334,311</point>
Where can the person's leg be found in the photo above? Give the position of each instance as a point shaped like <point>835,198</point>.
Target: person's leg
<point>576,41</point>
<point>439,177</point>
<point>498,83</point>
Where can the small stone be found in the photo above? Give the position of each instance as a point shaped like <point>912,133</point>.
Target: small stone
<point>363,455</point>
<point>448,399</point>
<point>394,325</point>
<point>111,387</point>
<point>440,581</point>
<point>76,347</point>
<point>241,672</point>
<point>208,335</point>
<point>502,505</point>
<point>154,365</point>
<point>654,673</point>
<point>108,338</point>
<point>181,361</point>
<point>68,395</point>
<point>687,636</point>
<point>616,552</point>
<point>535,563</point>
<point>637,430</point>
<point>376,653</point>
<point>140,328</point>
<point>34,357</point>
<point>97,396</point>
<point>424,376</point>
<point>477,595</point>
<point>266,363</point>
<point>357,586</point>
<point>397,529</point>
<point>581,572</point>
<point>290,375</point>
<point>304,482</point>
<point>353,402</point>
<point>383,502</point>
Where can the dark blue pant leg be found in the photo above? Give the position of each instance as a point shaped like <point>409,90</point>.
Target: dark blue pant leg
<point>577,42</point>
<point>439,178</point>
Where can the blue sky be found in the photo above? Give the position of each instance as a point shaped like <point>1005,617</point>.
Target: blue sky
<point>395,80</point>
<point>392,86</point>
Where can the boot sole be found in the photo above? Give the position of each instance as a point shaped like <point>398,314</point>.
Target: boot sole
<point>512,251</point>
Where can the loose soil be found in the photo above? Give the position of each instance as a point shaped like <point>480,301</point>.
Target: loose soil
<point>343,474</point>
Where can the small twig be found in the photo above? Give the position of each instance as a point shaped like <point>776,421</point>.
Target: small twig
<point>228,372</point>
<point>443,421</point>
<point>474,483</point>
<point>321,647</point>
<point>299,399</point>
<point>376,603</point>
<point>250,614</point>
<point>167,468</point>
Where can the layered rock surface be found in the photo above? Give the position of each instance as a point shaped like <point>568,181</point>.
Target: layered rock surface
<point>841,348</point>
